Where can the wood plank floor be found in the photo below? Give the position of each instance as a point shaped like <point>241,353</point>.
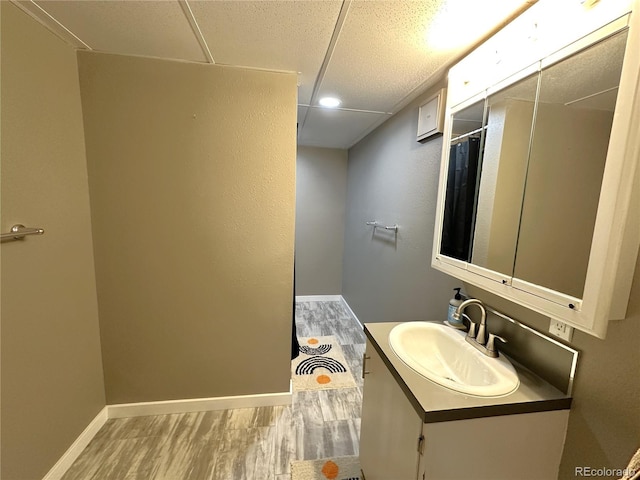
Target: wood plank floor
<point>239,444</point>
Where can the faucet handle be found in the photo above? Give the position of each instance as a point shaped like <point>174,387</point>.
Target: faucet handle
<point>472,329</point>
<point>491,348</point>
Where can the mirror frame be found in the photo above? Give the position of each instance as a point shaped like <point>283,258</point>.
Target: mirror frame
<point>616,236</point>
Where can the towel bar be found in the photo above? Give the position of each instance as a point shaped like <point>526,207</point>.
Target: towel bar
<point>18,232</point>
<point>375,224</point>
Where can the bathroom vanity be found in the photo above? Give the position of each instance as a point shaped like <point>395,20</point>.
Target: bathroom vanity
<point>539,183</point>
<point>415,429</point>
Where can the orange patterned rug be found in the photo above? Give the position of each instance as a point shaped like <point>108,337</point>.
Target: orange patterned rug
<point>338,468</point>
<point>320,366</point>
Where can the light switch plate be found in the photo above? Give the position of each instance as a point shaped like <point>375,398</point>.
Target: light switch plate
<point>561,330</point>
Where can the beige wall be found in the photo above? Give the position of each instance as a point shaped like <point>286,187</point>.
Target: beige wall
<point>192,183</point>
<point>604,423</point>
<point>52,381</point>
<point>321,197</point>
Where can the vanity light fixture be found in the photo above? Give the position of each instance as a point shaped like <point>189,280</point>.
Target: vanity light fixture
<point>329,102</point>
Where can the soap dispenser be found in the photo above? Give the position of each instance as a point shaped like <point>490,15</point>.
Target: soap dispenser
<point>453,305</point>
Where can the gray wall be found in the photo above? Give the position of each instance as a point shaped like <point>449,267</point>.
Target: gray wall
<point>192,184</point>
<point>52,380</point>
<point>321,197</point>
<point>394,179</point>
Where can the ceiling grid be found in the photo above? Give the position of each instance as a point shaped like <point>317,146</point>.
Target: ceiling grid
<point>375,55</point>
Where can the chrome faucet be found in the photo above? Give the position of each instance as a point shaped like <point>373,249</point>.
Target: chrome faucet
<point>479,335</point>
<point>480,340</point>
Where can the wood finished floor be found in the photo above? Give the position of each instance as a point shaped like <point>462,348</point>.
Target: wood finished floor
<point>239,444</point>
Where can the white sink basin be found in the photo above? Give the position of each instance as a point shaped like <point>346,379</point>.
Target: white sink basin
<point>442,355</point>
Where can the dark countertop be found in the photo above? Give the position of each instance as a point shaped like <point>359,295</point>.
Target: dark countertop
<point>435,403</point>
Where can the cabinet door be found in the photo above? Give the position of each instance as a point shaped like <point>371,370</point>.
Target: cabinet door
<point>525,446</point>
<point>390,429</point>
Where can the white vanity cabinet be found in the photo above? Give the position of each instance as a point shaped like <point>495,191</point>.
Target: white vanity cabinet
<point>397,442</point>
<point>390,429</point>
<point>540,177</point>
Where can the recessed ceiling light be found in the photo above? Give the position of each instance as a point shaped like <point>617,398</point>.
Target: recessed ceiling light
<point>329,102</point>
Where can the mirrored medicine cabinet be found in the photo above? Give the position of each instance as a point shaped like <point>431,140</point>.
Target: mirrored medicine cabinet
<point>537,179</point>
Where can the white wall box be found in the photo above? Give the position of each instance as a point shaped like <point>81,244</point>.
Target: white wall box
<point>431,115</point>
<point>554,106</point>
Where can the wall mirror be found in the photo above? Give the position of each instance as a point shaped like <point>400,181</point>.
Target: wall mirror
<point>504,169</point>
<point>488,155</point>
<point>564,176</point>
<point>525,169</point>
<point>462,178</point>
<point>522,175</point>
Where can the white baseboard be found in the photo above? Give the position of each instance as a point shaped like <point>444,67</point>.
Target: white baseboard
<point>346,305</point>
<point>199,404</point>
<point>160,408</point>
<point>178,406</point>
<point>318,298</point>
<point>74,451</point>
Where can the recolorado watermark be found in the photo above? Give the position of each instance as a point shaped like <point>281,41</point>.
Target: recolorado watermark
<point>604,472</point>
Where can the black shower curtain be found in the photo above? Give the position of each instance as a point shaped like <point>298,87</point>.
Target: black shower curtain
<point>460,198</point>
<point>295,346</point>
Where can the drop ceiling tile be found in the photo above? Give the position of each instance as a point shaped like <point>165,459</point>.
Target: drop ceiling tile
<point>281,35</point>
<point>384,51</point>
<point>336,128</point>
<point>149,28</point>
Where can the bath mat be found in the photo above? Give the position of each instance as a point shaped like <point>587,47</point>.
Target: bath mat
<point>338,468</point>
<point>320,366</point>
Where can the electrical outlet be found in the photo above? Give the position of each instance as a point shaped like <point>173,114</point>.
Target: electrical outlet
<point>561,330</point>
